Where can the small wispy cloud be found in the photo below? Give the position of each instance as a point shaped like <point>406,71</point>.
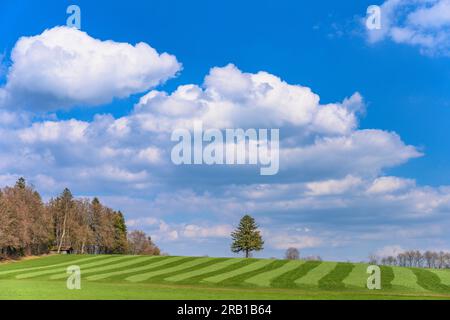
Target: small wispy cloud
<point>424,24</point>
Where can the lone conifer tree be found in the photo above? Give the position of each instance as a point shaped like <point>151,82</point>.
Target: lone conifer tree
<point>120,234</point>
<point>247,238</point>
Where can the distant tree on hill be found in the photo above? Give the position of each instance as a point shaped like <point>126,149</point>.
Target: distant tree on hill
<point>21,183</point>
<point>373,259</point>
<point>430,259</point>
<point>141,244</point>
<point>313,258</point>
<point>247,238</point>
<point>418,259</point>
<point>292,254</point>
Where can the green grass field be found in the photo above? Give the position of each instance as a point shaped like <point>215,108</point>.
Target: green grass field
<point>133,277</point>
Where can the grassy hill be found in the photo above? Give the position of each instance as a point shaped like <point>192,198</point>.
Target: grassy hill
<point>131,277</point>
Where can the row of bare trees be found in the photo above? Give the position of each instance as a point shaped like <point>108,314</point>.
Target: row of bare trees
<point>294,254</point>
<point>28,226</point>
<point>415,258</point>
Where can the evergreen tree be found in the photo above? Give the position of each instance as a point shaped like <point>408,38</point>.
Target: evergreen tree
<point>21,183</point>
<point>96,224</point>
<point>120,234</point>
<point>247,238</point>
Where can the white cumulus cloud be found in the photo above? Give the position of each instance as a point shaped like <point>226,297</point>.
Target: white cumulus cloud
<point>333,187</point>
<point>65,67</point>
<point>231,98</point>
<point>421,23</point>
<point>389,185</point>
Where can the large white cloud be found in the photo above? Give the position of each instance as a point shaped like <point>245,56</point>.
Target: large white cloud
<point>231,98</point>
<point>319,142</point>
<point>421,23</point>
<point>65,67</point>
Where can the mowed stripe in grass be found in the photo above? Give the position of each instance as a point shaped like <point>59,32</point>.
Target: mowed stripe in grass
<point>313,277</point>
<point>155,264</point>
<point>64,270</point>
<point>265,279</point>
<point>198,279</point>
<point>114,266</point>
<point>258,264</point>
<point>444,275</point>
<point>17,268</point>
<point>334,279</point>
<point>42,262</point>
<point>430,281</point>
<point>387,276</point>
<point>205,265</point>
<point>357,277</point>
<point>181,266</point>
<point>241,278</point>
<point>290,278</point>
<point>201,271</point>
<point>405,279</point>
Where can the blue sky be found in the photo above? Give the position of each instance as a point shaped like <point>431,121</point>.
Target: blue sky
<point>403,82</point>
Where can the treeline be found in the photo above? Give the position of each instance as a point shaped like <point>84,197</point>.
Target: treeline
<point>28,226</point>
<point>416,258</point>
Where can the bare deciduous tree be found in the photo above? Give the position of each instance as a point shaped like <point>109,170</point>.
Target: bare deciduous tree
<point>30,227</point>
<point>415,258</point>
<point>292,254</point>
<point>141,244</point>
